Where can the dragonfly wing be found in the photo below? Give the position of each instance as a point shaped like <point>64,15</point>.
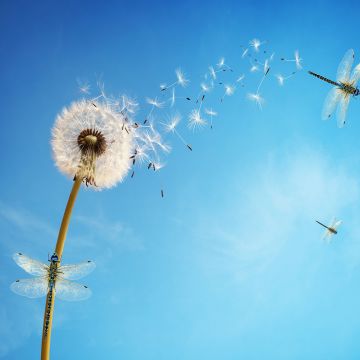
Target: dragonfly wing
<point>342,109</point>
<point>330,103</point>
<point>343,72</point>
<point>31,266</point>
<point>31,288</point>
<point>76,272</point>
<point>355,76</point>
<point>327,234</point>
<point>71,291</point>
<point>336,224</point>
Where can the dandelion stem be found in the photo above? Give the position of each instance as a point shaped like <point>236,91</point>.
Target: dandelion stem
<point>50,298</point>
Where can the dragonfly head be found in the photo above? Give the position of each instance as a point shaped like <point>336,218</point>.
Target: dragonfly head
<point>54,258</point>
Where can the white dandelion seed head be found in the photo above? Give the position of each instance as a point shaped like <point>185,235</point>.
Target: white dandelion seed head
<point>298,60</point>
<point>195,120</point>
<point>229,90</point>
<point>181,79</point>
<point>89,140</point>
<point>256,98</point>
<point>280,79</point>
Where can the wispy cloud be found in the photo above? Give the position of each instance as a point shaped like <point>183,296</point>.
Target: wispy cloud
<point>277,206</point>
<point>25,220</point>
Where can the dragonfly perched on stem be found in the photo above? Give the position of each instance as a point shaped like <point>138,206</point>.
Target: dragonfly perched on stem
<point>345,88</point>
<point>50,280</point>
<point>331,230</point>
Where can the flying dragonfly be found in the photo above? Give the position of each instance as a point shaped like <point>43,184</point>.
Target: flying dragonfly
<point>331,230</point>
<point>345,86</point>
<point>50,280</point>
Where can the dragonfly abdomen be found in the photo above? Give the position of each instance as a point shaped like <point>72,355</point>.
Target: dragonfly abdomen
<point>323,78</point>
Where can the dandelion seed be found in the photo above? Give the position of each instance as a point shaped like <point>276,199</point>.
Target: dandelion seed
<point>240,78</point>
<point>174,121</point>
<point>244,52</point>
<point>163,87</point>
<point>298,60</point>
<point>155,103</point>
<point>257,98</point>
<point>280,79</point>
<point>211,113</point>
<point>195,120</point>
<point>229,90</point>
<point>84,87</point>
<point>181,79</point>
<point>255,44</point>
<point>204,87</point>
<point>89,142</point>
<point>221,62</point>
<point>254,68</point>
<point>212,72</point>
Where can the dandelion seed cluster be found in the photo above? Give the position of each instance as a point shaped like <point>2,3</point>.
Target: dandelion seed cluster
<point>93,140</point>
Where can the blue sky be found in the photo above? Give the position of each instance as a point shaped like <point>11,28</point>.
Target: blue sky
<point>230,263</point>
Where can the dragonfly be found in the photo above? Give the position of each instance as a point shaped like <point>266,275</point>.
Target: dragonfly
<point>331,230</point>
<point>52,279</point>
<point>345,87</point>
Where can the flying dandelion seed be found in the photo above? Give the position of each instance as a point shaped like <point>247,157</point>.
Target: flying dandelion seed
<point>256,98</point>
<point>281,79</point>
<point>221,62</point>
<point>240,78</point>
<point>195,120</point>
<point>229,90</point>
<point>84,87</point>
<point>181,79</point>
<point>254,68</point>
<point>297,60</point>
<point>89,142</point>
<point>255,44</point>
<point>155,103</point>
<point>244,53</point>
<point>211,113</point>
<point>212,72</point>
<point>171,125</point>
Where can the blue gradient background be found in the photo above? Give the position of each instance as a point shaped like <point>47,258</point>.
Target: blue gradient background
<point>230,264</point>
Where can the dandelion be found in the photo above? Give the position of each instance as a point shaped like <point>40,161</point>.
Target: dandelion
<point>257,98</point>
<point>91,141</point>
<point>195,120</point>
